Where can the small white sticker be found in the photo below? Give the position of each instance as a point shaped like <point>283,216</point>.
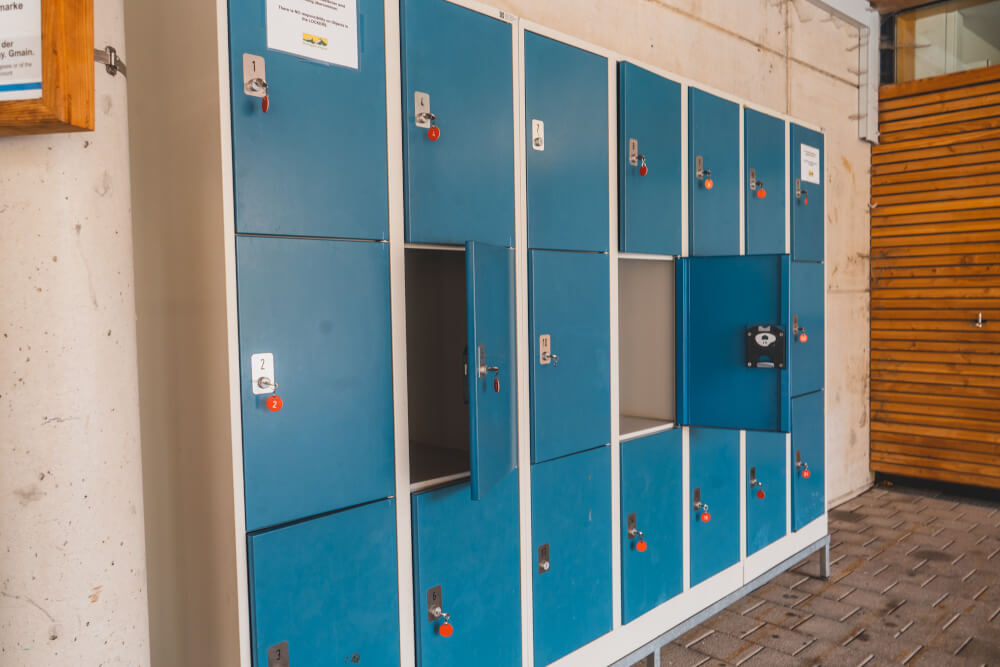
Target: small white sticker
<point>810,164</point>
<point>20,50</point>
<point>323,30</point>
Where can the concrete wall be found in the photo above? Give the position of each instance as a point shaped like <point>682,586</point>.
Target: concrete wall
<point>72,556</point>
<point>792,57</point>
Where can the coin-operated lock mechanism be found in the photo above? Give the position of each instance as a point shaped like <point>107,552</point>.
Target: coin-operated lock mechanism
<point>801,194</point>
<point>756,486</point>
<point>435,613</point>
<point>756,187</point>
<point>765,346</point>
<point>423,117</point>
<point>635,158</point>
<point>255,80</point>
<point>639,543</point>
<point>262,380</point>
<point>703,175</point>
<point>700,507</point>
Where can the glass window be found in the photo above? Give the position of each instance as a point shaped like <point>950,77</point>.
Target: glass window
<point>947,37</point>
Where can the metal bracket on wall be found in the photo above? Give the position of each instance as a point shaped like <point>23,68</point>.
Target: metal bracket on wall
<point>108,57</point>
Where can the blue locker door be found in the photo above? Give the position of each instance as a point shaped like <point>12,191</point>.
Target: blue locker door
<point>766,493</point>
<point>315,163</point>
<point>325,590</point>
<point>459,186</point>
<point>715,481</point>
<point>569,302</point>
<point>765,193</point>
<point>322,309</point>
<point>808,459</point>
<point>807,207</point>
<point>807,362</point>
<point>566,89</point>
<point>714,134</point>
<point>489,285</point>
<point>649,114</point>
<point>719,298</point>
<point>468,551</point>
<point>570,527</point>
<point>652,494</point>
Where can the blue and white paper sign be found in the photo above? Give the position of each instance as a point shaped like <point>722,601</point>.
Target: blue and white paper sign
<point>20,49</point>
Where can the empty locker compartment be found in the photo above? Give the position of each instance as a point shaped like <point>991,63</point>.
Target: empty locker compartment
<point>713,174</point>
<point>312,162</point>
<point>808,459</point>
<point>315,376</point>
<point>649,162</point>
<point>808,194</point>
<point>646,349</point>
<point>652,496</point>
<point>466,563</point>
<point>570,527</point>
<point>461,382</point>
<point>767,497</point>
<point>732,359</point>
<point>324,591</point>
<point>764,141</point>
<point>459,124</point>
<point>808,340</point>
<point>567,132</point>
<point>714,503</point>
<point>570,346</point>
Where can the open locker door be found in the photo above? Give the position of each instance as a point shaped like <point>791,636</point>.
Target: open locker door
<point>489,285</point>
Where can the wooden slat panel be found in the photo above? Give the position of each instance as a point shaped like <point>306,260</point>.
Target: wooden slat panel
<point>936,239</point>
<point>920,394</point>
<point>944,96</point>
<point>936,475</point>
<point>940,131</point>
<point>906,150</point>
<point>957,167</point>
<point>938,83</point>
<point>894,375</point>
<point>939,453</point>
<point>935,228</point>
<point>930,184</point>
<point>937,158</point>
<point>971,97</point>
<point>935,266</point>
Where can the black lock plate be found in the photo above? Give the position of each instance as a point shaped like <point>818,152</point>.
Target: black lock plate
<point>766,345</point>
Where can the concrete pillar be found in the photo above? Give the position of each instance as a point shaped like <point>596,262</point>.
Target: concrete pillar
<point>72,549</point>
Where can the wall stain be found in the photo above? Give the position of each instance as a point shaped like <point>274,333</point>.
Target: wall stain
<point>29,494</point>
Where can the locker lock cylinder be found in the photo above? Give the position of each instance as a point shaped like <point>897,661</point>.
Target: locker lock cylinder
<point>702,508</point>
<point>255,80</point>
<point>801,194</point>
<point>801,466</point>
<point>634,533</point>
<point>799,332</point>
<point>702,174</point>
<point>635,158</point>
<point>423,117</point>
<point>436,613</point>
<point>756,483</point>
<point>757,187</point>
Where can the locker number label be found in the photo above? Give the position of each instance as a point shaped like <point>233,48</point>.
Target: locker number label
<point>262,368</point>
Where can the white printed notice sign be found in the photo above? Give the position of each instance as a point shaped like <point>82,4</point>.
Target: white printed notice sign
<point>810,164</point>
<point>323,30</point>
<point>20,49</point>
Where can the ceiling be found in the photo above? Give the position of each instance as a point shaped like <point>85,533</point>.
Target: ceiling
<point>892,6</point>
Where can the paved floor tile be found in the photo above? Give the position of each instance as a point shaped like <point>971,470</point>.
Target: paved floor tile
<point>915,579</point>
<point>673,655</point>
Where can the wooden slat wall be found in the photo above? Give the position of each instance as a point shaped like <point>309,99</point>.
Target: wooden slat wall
<point>935,392</point>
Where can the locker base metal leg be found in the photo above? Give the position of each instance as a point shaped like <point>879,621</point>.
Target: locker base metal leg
<point>822,546</point>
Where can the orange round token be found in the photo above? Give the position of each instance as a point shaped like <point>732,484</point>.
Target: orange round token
<point>806,474</point>
<point>265,104</point>
<point>709,184</point>
<point>803,338</point>
<point>446,630</point>
<point>433,133</point>
<point>640,546</point>
<point>274,403</point>
<point>760,494</point>
<point>761,193</point>
<point>706,517</point>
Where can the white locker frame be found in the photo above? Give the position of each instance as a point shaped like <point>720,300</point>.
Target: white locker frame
<point>623,639</point>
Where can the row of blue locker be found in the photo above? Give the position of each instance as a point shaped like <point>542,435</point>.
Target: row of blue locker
<point>459,148</point>
<point>323,598</point>
<point>330,355</point>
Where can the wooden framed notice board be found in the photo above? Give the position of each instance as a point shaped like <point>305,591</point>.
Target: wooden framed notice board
<point>46,66</point>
